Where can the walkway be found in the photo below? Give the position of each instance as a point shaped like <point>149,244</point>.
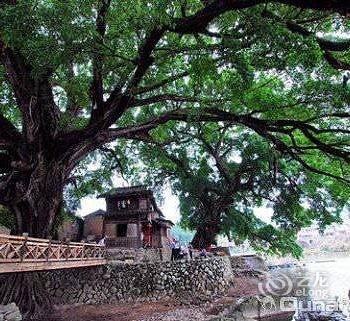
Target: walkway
<point>23,254</point>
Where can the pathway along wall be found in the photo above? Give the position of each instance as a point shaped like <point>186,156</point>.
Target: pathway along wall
<point>139,282</point>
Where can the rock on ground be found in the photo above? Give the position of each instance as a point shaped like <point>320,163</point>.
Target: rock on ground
<point>10,312</point>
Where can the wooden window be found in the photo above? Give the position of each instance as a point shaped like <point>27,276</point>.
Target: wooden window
<point>126,204</point>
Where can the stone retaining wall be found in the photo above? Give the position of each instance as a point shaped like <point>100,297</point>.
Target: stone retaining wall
<point>139,255</point>
<point>198,279</point>
<point>139,282</point>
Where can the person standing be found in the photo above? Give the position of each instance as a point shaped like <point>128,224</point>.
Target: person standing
<point>172,247</point>
<point>190,251</point>
<point>203,254</point>
<point>102,241</point>
<point>177,250</point>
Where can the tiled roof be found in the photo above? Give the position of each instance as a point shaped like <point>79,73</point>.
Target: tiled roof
<point>163,220</point>
<point>124,191</point>
<point>96,213</point>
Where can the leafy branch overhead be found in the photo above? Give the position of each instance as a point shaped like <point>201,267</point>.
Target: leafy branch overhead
<point>222,173</point>
<point>79,75</point>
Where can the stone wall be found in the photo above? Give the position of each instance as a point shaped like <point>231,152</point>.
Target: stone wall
<point>195,280</point>
<point>139,255</point>
<point>198,279</point>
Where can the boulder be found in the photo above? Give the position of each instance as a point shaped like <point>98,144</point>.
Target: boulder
<point>10,312</point>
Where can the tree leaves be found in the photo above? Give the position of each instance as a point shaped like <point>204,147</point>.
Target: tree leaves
<point>264,119</point>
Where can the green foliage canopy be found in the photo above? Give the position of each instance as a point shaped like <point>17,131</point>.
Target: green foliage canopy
<point>78,77</point>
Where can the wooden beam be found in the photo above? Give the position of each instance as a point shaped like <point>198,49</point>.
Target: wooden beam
<point>44,266</point>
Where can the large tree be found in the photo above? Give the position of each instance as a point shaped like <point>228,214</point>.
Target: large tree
<point>77,75</point>
<point>223,172</point>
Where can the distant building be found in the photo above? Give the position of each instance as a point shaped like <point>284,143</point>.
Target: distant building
<point>335,235</point>
<point>69,230</point>
<point>132,220</point>
<point>93,225</point>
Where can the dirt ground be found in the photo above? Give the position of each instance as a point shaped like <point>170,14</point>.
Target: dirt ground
<point>109,312</point>
<point>243,286</point>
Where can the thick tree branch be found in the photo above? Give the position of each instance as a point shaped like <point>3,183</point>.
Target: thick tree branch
<point>137,132</point>
<point>34,95</point>
<point>142,90</point>
<point>121,99</point>
<point>144,61</point>
<point>97,82</point>
<point>262,127</point>
<point>18,74</point>
<point>325,44</point>
<point>335,63</point>
<point>163,98</point>
<point>199,21</point>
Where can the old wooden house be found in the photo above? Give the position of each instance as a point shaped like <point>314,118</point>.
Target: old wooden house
<point>132,219</point>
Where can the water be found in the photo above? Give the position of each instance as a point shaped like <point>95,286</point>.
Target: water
<point>337,278</point>
<point>286,293</point>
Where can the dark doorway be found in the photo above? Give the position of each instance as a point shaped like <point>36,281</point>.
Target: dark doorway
<point>122,230</point>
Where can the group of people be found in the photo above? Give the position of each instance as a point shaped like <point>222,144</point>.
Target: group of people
<point>180,252</point>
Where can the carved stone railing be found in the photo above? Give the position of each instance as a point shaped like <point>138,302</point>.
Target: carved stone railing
<point>21,250</point>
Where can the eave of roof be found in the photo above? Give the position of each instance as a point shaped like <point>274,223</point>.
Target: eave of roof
<point>127,191</point>
<point>96,213</point>
<point>163,220</point>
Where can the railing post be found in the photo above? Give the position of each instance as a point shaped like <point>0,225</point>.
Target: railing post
<point>48,249</point>
<point>83,252</point>
<point>22,251</point>
<point>68,250</point>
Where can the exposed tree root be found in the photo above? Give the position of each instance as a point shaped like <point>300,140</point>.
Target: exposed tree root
<point>28,292</point>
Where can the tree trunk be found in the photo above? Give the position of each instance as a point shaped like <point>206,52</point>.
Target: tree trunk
<point>37,199</point>
<point>207,227</point>
<point>205,236</point>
